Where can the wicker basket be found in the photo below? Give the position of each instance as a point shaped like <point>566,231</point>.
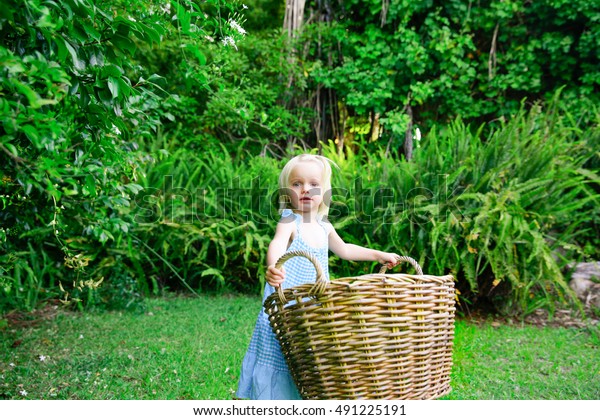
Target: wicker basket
<point>376,336</point>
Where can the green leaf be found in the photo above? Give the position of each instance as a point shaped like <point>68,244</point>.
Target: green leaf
<point>91,31</point>
<point>125,87</point>
<point>45,21</point>
<point>148,33</point>
<point>90,186</point>
<point>34,99</point>
<point>32,134</point>
<point>214,272</point>
<point>589,174</point>
<point>113,86</point>
<point>197,53</point>
<point>211,272</point>
<point>184,18</point>
<point>13,65</point>
<point>27,91</point>
<point>12,149</point>
<point>123,43</point>
<point>77,63</point>
<point>111,71</point>
<point>134,188</point>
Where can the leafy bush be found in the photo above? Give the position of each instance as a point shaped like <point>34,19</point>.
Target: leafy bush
<point>204,222</point>
<point>136,136</point>
<point>240,95</point>
<point>438,60</point>
<point>75,104</point>
<point>504,214</point>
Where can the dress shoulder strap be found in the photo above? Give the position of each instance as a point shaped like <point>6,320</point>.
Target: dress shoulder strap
<point>325,225</point>
<point>288,214</point>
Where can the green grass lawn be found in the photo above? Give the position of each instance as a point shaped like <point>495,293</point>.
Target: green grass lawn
<point>192,348</point>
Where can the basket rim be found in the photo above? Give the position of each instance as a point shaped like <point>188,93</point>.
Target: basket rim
<point>399,277</point>
<point>320,284</point>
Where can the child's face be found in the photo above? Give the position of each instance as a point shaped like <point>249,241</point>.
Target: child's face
<point>306,186</point>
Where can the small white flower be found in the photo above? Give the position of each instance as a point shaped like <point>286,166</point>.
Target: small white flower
<point>418,134</point>
<point>166,8</point>
<point>11,365</point>
<point>228,40</point>
<point>43,358</point>
<point>80,336</point>
<point>237,26</point>
<point>23,392</point>
<point>244,6</point>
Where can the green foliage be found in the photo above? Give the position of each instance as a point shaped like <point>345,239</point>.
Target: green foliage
<point>474,60</point>
<point>242,96</point>
<point>522,362</point>
<point>74,105</point>
<point>119,292</point>
<point>205,221</point>
<point>153,356</point>
<point>135,133</point>
<point>247,101</point>
<point>504,214</point>
<point>130,355</point>
<point>263,15</point>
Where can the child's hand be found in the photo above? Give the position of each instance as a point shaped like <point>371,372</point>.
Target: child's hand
<point>275,276</point>
<point>389,259</point>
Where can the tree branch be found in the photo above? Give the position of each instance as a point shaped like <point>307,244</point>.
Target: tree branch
<point>492,58</point>
<point>16,159</point>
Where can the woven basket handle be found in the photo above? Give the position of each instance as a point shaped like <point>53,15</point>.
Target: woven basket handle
<point>413,262</point>
<point>320,282</point>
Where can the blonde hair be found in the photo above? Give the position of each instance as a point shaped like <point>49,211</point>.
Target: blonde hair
<point>284,181</point>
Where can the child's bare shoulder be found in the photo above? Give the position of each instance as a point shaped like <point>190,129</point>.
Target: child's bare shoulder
<point>287,222</point>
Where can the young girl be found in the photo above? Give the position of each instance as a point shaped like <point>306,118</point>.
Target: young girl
<point>305,192</point>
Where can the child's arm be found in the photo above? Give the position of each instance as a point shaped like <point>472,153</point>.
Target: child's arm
<point>276,249</point>
<point>353,252</point>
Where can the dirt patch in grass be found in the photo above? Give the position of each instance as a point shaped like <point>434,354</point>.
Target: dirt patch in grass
<point>22,319</point>
<point>564,318</point>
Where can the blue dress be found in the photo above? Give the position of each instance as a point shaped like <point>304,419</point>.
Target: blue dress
<point>265,374</point>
